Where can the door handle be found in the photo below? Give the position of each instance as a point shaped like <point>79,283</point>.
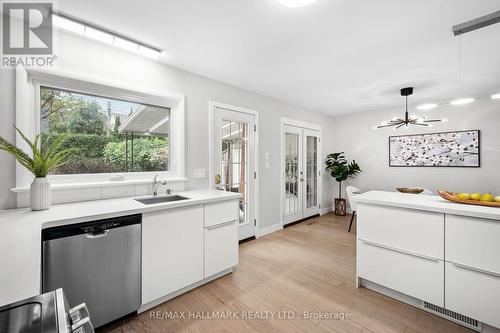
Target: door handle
<point>478,270</point>
<point>400,251</point>
<point>95,235</point>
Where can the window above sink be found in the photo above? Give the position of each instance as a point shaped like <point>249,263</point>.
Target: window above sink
<point>106,135</point>
<point>141,137</point>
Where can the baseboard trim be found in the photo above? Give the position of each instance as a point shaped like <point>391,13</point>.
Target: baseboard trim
<point>389,292</point>
<point>329,209</point>
<point>163,299</point>
<point>325,210</point>
<point>268,230</point>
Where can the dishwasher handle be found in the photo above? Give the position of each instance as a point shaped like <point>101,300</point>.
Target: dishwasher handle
<point>97,234</point>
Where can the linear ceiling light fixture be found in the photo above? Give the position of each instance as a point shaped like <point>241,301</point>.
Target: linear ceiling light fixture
<point>462,101</point>
<point>496,96</point>
<point>427,106</point>
<point>397,123</point>
<point>105,36</point>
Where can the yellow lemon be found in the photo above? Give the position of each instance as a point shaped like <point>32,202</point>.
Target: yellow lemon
<point>475,196</point>
<point>487,197</point>
<point>463,196</point>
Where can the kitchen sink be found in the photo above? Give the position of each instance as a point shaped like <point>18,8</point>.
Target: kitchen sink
<point>155,200</point>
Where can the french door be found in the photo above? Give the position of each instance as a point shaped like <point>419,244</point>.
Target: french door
<point>234,161</point>
<point>300,178</point>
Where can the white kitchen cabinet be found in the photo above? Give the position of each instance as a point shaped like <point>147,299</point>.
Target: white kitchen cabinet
<point>221,247</point>
<point>473,242</point>
<point>474,293</point>
<point>416,231</point>
<point>172,251</point>
<point>412,274</point>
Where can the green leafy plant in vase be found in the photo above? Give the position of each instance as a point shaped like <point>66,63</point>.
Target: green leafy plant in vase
<point>40,163</point>
<point>341,170</point>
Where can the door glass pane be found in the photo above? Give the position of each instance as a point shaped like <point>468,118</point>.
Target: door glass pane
<point>234,161</point>
<point>311,171</point>
<point>291,173</point>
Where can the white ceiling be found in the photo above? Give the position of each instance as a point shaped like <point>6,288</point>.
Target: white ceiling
<point>336,56</point>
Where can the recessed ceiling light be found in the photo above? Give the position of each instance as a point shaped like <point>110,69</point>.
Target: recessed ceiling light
<point>427,106</point>
<point>496,96</point>
<point>69,25</point>
<point>296,3</point>
<point>462,101</point>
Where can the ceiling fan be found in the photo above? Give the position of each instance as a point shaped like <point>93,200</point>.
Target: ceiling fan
<point>407,120</point>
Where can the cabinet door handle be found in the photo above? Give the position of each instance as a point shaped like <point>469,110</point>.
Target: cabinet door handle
<point>400,251</point>
<point>478,270</point>
<point>220,225</point>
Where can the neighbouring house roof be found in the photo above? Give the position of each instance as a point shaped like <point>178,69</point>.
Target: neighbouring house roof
<point>152,120</point>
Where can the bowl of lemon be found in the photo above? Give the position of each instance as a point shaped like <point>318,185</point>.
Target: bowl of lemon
<point>481,199</point>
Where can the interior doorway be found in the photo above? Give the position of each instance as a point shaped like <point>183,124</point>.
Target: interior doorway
<point>234,159</point>
<point>300,170</point>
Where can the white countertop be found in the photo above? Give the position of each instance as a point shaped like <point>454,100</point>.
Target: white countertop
<point>427,202</point>
<point>101,209</point>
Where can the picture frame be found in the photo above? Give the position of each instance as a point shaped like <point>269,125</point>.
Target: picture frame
<point>459,149</point>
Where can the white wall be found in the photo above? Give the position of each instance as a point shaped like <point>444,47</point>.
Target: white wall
<point>354,135</point>
<point>96,59</point>
<point>7,120</point>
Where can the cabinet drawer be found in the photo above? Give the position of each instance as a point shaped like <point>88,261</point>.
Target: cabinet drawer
<point>221,247</point>
<point>473,293</point>
<point>221,212</point>
<point>417,276</point>
<point>473,242</point>
<point>412,230</point>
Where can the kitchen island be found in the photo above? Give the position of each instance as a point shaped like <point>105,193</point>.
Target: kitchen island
<point>433,254</point>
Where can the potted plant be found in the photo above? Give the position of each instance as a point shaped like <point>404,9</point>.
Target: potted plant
<point>40,163</point>
<point>341,170</point>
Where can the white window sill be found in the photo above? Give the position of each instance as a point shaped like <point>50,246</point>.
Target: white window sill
<point>72,186</point>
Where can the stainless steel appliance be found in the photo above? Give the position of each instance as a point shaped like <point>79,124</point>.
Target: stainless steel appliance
<point>47,313</point>
<point>98,263</point>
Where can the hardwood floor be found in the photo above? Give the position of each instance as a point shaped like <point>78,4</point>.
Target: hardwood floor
<point>307,267</point>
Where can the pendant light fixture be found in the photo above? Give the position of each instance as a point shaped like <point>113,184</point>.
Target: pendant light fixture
<point>397,123</point>
<point>461,100</point>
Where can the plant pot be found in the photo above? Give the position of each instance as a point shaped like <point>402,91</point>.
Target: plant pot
<point>340,207</point>
<point>40,194</point>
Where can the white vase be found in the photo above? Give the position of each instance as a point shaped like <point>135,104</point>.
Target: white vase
<point>40,194</point>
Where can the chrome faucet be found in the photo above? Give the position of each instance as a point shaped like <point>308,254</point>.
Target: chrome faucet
<point>156,183</point>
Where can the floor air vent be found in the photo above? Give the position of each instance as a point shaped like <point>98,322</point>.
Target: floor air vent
<point>453,316</point>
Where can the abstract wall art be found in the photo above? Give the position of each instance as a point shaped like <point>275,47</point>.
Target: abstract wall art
<point>447,149</point>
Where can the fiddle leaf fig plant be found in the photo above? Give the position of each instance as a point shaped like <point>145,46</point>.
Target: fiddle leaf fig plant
<point>341,169</point>
<point>42,162</point>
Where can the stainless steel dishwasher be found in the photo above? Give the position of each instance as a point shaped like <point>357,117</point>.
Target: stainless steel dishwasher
<point>98,263</point>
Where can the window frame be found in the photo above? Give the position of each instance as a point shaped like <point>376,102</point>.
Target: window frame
<point>28,83</point>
